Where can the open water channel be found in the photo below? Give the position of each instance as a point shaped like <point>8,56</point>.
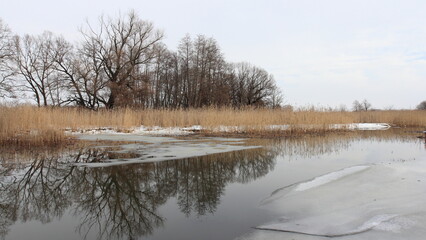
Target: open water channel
<point>358,185</point>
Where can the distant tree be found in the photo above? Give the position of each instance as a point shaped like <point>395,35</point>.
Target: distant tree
<point>389,108</point>
<point>287,107</point>
<point>366,105</point>
<point>6,53</point>
<point>356,106</point>
<point>422,106</point>
<point>361,106</point>
<point>342,108</point>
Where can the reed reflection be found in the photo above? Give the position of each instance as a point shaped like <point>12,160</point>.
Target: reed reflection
<point>322,144</point>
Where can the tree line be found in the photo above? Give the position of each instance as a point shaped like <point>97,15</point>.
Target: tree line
<point>122,62</point>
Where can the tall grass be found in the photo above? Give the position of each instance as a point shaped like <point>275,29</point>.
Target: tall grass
<point>33,125</point>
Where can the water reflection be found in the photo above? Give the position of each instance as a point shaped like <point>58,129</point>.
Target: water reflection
<point>325,144</point>
<point>121,201</point>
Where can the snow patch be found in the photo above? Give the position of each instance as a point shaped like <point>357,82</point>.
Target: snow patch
<point>182,131</point>
<point>141,130</point>
<point>362,126</point>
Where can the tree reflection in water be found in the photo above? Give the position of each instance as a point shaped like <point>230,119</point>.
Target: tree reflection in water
<point>120,201</point>
<point>123,201</point>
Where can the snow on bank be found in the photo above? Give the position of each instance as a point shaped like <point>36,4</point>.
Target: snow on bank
<point>182,131</point>
<point>362,126</point>
<point>172,131</point>
<point>351,126</point>
<point>142,130</point>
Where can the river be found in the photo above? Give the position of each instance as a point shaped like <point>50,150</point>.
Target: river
<point>357,185</point>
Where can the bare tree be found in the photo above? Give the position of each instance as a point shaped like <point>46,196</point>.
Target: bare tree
<point>121,46</point>
<point>366,105</point>
<point>252,85</point>
<point>85,81</point>
<point>185,51</point>
<point>208,67</point>
<point>356,106</point>
<point>164,79</point>
<point>35,61</point>
<point>342,108</point>
<point>389,108</point>
<point>361,106</point>
<point>421,106</point>
<point>122,62</point>
<point>275,100</point>
<point>6,53</point>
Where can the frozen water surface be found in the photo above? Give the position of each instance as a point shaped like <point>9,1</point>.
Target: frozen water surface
<point>355,186</point>
<point>381,200</point>
<point>155,149</point>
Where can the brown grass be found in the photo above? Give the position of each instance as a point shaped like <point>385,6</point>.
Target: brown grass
<point>27,125</point>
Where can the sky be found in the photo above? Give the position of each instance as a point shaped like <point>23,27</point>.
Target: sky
<point>321,52</point>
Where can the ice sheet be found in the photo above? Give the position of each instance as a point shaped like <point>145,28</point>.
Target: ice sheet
<point>358,199</point>
<point>315,182</point>
<point>154,149</point>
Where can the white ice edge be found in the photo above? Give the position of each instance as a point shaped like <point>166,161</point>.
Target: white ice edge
<point>375,222</point>
<point>313,183</point>
<point>181,131</point>
<point>327,178</point>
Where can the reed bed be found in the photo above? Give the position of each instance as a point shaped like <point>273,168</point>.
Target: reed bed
<point>45,126</point>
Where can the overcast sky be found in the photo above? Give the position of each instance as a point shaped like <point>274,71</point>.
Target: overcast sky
<point>321,52</point>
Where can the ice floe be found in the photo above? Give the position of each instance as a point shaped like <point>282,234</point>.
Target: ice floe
<point>154,148</point>
<point>349,201</point>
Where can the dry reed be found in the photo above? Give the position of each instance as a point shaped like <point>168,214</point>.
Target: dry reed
<point>43,126</point>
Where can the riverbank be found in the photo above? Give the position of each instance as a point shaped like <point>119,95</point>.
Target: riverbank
<point>33,126</point>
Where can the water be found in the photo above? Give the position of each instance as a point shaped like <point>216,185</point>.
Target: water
<point>362,185</point>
